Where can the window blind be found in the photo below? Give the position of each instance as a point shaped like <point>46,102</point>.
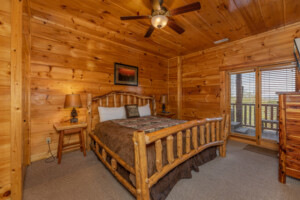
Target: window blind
<point>272,81</point>
<point>279,80</point>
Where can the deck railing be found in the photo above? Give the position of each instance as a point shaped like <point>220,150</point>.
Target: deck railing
<point>269,115</point>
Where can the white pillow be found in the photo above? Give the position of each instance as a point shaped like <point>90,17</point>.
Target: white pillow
<point>111,113</point>
<point>145,110</point>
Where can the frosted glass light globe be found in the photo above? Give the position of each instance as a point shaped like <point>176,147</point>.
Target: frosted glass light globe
<point>159,21</point>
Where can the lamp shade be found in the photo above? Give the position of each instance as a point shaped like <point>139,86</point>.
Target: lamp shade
<point>73,101</point>
<point>163,99</point>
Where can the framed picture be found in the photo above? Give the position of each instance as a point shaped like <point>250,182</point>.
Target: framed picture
<point>126,75</point>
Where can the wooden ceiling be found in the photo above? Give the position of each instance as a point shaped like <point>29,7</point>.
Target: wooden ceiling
<point>217,19</point>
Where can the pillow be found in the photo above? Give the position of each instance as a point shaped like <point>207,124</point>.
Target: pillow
<point>144,110</point>
<point>132,111</point>
<point>107,113</point>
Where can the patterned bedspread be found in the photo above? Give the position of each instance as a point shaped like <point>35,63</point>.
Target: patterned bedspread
<point>149,123</point>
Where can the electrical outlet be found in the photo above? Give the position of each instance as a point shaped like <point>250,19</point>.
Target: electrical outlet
<point>48,140</point>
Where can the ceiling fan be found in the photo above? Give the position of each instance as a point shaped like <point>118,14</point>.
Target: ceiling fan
<point>160,16</point>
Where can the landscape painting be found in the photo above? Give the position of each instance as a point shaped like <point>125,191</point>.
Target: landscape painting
<point>126,75</point>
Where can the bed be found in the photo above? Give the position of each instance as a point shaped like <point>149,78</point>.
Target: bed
<point>148,155</point>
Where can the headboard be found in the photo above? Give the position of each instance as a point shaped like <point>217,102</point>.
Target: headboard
<point>114,99</point>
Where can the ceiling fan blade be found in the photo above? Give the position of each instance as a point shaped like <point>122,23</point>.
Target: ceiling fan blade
<point>135,17</point>
<point>149,32</point>
<point>156,4</point>
<point>172,24</point>
<point>185,9</point>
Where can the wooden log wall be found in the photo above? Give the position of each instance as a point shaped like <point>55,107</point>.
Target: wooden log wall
<point>14,71</point>
<point>26,83</point>
<point>67,57</point>
<point>201,70</point>
<point>5,37</point>
<point>172,86</point>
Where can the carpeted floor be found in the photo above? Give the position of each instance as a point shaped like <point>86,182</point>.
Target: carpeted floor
<point>241,175</point>
<point>260,150</point>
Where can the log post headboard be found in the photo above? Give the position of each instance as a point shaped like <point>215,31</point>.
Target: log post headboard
<point>113,99</point>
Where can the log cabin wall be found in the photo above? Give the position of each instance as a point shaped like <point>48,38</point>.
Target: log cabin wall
<point>26,83</point>
<point>70,58</point>
<point>172,86</point>
<point>14,68</point>
<point>5,37</point>
<point>201,70</point>
<point>175,86</point>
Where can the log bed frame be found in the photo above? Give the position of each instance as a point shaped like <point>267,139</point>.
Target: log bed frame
<point>215,135</point>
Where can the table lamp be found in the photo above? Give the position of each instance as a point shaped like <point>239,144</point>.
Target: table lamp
<point>73,101</point>
<point>163,101</point>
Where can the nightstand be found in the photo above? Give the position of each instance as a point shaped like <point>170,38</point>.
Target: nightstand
<point>167,114</point>
<point>67,128</point>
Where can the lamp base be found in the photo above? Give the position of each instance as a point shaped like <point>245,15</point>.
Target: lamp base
<point>164,108</point>
<point>74,115</point>
<point>74,120</point>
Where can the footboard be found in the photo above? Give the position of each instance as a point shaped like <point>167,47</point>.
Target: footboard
<point>212,132</point>
<point>102,151</point>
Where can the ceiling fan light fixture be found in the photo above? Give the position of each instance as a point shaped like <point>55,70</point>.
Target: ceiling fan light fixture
<point>161,16</point>
<point>159,21</point>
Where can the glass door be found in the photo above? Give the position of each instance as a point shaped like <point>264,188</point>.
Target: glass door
<point>253,102</point>
<point>242,103</point>
<point>272,81</point>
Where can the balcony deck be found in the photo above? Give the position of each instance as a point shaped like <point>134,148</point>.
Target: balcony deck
<point>266,134</point>
<point>246,123</point>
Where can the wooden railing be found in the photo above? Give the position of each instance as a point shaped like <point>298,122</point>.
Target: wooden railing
<point>248,115</point>
<point>269,115</point>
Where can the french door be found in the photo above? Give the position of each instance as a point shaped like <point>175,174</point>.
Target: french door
<point>253,102</point>
<point>242,103</point>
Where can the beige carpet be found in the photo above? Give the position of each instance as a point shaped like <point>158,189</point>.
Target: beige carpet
<point>241,175</point>
<point>260,150</point>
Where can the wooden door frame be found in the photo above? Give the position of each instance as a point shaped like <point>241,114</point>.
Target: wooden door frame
<point>258,129</point>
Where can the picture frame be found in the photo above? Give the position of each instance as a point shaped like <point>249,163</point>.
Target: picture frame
<point>126,75</point>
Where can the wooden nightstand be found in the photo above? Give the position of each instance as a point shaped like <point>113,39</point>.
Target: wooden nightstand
<point>167,114</point>
<point>67,128</point>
